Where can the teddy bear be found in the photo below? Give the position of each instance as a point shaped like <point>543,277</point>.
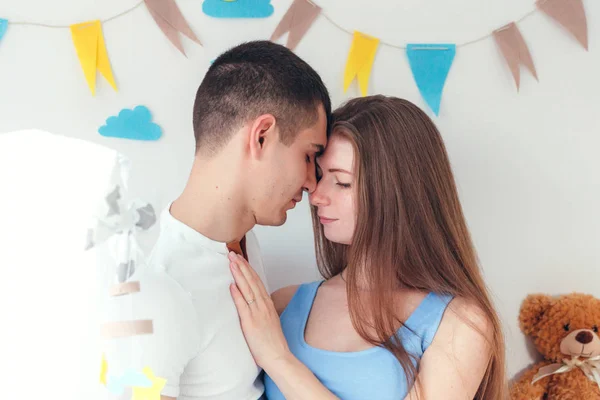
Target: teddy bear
<point>564,330</point>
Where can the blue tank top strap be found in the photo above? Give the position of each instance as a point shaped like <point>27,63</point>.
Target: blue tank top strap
<point>297,310</point>
<point>303,298</point>
<point>426,319</point>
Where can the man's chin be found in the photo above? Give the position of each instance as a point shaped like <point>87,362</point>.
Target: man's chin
<point>281,220</point>
<point>273,221</point>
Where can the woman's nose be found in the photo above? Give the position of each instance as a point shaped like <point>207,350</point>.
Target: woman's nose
<point>318,197</point>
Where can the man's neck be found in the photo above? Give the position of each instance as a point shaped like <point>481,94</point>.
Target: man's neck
<point>212,205</point>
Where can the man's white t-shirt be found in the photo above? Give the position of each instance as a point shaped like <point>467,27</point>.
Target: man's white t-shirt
<point>197,344</point>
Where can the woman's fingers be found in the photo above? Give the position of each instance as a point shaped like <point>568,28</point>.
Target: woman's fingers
<point>259,319</point>
<point>239,301</point>
<point>241,281</point>
<point>254,281</point>
<point>249,276</point>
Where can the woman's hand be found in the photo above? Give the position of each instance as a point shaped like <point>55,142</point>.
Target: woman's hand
<point>259,319</point>
<point>262,329</point>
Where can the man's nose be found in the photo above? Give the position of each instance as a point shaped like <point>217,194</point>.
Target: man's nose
<point>311,182</point>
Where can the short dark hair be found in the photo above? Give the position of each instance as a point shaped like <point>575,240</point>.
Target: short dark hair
<point>252,79</point>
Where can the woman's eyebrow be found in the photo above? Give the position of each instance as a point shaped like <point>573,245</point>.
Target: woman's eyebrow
<point>339,170</point>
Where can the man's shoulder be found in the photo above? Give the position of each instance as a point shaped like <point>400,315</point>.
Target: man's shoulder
<point>158,292</point>
<point>156,279</point>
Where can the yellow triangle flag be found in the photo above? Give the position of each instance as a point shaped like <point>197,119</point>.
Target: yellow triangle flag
<point>89,44</point>
<point>149,393</point>
<point>360,61</point>
<point>103,370</point>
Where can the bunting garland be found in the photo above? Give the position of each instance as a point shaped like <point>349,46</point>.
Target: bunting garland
<point>297,20</point>
<point>570,14</point>
<point>360,61</point>
<point>169,19</point>
<point>515,51</point>
<point>430,63</point>
<point>3,27</point>
<point>89,44</point>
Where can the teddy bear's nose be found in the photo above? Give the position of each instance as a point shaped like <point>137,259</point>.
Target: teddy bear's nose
<point>584,337</point>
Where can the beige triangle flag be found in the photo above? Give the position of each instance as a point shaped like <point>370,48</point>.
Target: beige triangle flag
<point>570,14</point>
<point>297,20</point>
<point>171,21</point>
<point>515,51</point>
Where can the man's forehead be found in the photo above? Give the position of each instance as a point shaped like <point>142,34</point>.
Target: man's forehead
<point>316,135</point>
<point>319,133</point>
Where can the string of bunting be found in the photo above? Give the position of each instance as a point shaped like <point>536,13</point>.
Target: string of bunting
<point>429,62</point>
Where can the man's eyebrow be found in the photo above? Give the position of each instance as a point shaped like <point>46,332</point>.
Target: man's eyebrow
<point>319,147</point>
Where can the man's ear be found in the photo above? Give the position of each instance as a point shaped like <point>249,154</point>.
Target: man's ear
<point>263,133</point>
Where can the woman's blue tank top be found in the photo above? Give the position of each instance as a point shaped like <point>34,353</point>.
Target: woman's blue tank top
<point>369,374</point>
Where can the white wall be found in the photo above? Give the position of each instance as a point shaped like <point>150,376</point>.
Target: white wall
<point>526,163</point>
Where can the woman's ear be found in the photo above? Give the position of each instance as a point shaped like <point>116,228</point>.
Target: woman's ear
<point>263,132</point>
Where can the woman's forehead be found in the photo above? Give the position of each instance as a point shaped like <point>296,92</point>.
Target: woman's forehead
<point>339,150</point>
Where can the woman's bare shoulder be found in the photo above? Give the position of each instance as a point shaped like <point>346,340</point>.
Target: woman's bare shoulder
<point>282,297</point>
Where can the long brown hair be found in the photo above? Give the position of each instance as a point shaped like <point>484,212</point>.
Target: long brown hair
<point>410,230</point>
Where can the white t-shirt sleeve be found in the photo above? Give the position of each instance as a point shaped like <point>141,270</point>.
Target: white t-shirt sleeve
<point>174,341</point>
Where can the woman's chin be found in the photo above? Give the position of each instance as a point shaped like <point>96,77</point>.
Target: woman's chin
<point>336,237</point>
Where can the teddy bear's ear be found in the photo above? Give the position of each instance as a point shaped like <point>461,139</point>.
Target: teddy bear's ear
<point>532,310</point>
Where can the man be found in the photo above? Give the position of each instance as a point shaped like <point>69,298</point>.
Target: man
<point>260,117</point>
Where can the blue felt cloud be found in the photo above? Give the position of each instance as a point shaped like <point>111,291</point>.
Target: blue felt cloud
<point>237,8</point>
<point>133,124</point>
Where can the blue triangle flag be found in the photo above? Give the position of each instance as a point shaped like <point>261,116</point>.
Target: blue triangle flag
<point>3,26</point>
<point>430,64</point>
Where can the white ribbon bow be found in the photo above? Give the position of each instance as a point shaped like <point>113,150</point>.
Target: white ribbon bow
<point>589,366</point>
<point>121,221</point>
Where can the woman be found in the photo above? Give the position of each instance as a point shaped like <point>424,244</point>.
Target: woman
<point>403,311</point>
